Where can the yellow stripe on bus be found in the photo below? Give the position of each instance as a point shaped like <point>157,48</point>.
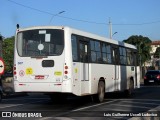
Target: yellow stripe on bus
<point>57,73</point>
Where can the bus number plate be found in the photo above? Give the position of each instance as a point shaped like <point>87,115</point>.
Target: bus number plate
<point>39,77</point>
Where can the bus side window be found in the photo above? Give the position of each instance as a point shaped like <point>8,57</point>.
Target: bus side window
<point>74,48</point>
<point>82,53</point>
<point>109,56</point>
<point>104,53</point>
<point>129,57</point>
<point>122,55</point>
<point>93,53</point>
<point>83,49</point>
<point>93,56</point>
<point>98,51</point>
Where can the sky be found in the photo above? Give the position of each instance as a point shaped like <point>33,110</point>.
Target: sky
<point>128,17</point>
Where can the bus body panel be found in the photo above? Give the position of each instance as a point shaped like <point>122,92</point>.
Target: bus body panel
<point>35,73</point>
<point>99,71</point>
<point>67,78</point>
<point>76,78</point>
<point>30,72</point>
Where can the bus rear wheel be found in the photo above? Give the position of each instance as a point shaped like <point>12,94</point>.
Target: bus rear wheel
<point>99,97</point>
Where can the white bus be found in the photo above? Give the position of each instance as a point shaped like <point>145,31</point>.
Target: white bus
<point>60,59</point>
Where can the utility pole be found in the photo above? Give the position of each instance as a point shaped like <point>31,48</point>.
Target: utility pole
<point>110,29</point>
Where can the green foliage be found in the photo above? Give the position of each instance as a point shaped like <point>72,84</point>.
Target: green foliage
<point>1,38</point>
<point>8,53</point>
<point>143,46</point>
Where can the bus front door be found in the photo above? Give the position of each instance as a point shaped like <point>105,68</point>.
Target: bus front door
<point>84,67</point>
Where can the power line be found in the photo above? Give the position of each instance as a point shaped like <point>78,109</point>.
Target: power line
<point>31,8</point>
<point>79,20</point>
<point>54,14</point>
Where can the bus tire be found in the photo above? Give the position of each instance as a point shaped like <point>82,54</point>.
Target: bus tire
<point>99,97</point>
<point>129,91</point>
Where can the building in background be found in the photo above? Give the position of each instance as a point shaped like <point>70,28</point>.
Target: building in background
<point>154,60</point>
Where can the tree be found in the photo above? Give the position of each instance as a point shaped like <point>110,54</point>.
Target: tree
<point>1,40</point>
<point>143,46</point>
<point>8,53</point>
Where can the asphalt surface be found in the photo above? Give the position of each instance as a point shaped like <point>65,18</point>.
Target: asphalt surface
<point>145,101</point>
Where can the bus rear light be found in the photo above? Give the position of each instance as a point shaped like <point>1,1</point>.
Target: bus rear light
<point>14,68</point>
<point>145,77</point>
<point>158,77</point>
<point>65,72</point>
<point>66,67</point>
<point>21,84</point>
<point>15,72</point>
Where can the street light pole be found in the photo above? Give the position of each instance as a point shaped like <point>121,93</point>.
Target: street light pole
<point>114,33</point>
<point>110,29</point>
<point>55,15</point>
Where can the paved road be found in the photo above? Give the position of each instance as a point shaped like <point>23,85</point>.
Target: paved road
<point>115,106</point>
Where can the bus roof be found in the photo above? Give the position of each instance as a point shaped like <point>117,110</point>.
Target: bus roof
<point>82,33</point>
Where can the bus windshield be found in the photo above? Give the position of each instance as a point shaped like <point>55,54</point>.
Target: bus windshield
<point>38,42</point>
